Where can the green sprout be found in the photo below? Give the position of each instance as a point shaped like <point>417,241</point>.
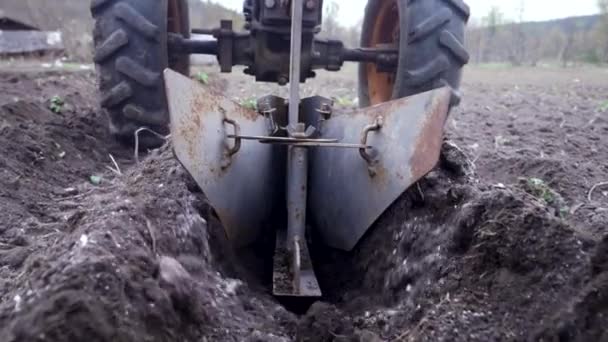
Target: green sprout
<point>604,107</point>
<point>95,180</point>
<point>539,189</point>
<point>250,103</point>
<point>57,104</point>
<point>343,101</point>
<point>202,77</point>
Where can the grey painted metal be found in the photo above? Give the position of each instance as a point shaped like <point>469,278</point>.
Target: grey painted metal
<point>315,109</point>
<point>200,59</point>
<point>241,188</point>
<point>284,284</point>
<point>297,188</point>
<point>295,60</point>
<point>287,140</point>
<point>344,198</point>
<point>300,271</point>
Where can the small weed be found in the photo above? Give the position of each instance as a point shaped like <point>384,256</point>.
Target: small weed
<point>603,107</point>
<point>95,180</point>
<point>249,103</point>
<point>57,104</point>
<point>202,77</point>
<point>343,101</point>
<point>539,189</point>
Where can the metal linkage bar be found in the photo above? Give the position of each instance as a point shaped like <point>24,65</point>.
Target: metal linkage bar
<point>179,44</point>
<point>295,56</point>
<point>382,57</point>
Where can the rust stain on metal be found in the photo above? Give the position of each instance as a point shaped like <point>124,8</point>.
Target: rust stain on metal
<point>387,107</point>
<point>381,175</point>
<point>428,144</point>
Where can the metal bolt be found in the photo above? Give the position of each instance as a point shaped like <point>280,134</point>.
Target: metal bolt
<point>270,3</point>
<point>311,4</point>
<point>283,80</point>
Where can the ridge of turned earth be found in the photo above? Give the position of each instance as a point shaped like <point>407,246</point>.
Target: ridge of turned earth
<point>141,257</point>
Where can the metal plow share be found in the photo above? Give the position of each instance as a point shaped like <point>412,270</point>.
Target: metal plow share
<point>335,173</point>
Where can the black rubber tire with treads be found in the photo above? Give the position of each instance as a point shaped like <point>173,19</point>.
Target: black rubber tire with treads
<point>130,55</point>
<point>431,55</point>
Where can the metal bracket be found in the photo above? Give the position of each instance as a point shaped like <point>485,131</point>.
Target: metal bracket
<point>370,159</point>
<point>231,150</point>
<point>274,109</point>
<point>236,136</point>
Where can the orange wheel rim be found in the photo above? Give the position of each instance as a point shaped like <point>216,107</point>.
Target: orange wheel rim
<point>385,33</point>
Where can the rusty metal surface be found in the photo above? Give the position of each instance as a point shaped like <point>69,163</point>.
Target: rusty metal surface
<point>344,197</point>
<point>241,188</point>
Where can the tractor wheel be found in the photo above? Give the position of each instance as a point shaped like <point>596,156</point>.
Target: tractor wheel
<point>131,53</point>
<point>431,54</point>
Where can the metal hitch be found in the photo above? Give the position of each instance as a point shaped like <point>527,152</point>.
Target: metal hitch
<point>343,169</point>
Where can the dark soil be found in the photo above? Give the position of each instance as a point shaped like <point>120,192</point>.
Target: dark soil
<point>499,242</point>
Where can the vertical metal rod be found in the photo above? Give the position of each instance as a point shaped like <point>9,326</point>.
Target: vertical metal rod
<point>297,9</point>
<point>297,185</point>
<point>297,159</point>
<point>297,190</point>
<point>297,168</point>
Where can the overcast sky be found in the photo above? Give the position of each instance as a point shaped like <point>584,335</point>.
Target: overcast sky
<point>351,10</point>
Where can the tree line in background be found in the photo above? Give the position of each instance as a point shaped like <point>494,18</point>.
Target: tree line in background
<point>570,41</point>
<point>496,39</point>
<point>332,29</point>
<point>490,39</point>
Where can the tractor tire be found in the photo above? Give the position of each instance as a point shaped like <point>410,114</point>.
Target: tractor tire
<point>431,54</point>
<point>131,52</point>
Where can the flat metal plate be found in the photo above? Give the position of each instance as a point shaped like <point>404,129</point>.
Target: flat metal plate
<point>344,200</point>
<point>242,192</point>
<point>282,277</point>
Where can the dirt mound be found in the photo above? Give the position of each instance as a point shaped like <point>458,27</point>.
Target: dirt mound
<point>120,257</point>
<point>580,318</point>
<point>454,260</point>
<point>135,265</point>
<point>136,254</point>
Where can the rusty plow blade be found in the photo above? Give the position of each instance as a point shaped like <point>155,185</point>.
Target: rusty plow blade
<point>334,173</point>
<point>238,179</point>
<point>348,191</point>
<point>241,179</point>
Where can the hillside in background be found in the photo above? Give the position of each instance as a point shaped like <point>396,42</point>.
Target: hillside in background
<point>569,40</point>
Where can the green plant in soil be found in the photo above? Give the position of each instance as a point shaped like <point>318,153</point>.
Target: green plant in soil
<point>539,189</point>
<point>56,105</point>
<point>250,103</point>
<point>202,77</point>
<point>95,180</point>
<point>343,101</point>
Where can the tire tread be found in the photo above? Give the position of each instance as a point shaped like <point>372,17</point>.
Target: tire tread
<point>130,55</point>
